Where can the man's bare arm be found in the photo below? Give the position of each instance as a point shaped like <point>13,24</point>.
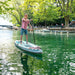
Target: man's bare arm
<point>30,26</point>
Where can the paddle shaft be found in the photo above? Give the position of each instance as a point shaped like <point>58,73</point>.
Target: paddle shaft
<point>33,32</point>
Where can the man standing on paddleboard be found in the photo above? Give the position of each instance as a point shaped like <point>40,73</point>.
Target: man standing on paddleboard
<point>25,22</point>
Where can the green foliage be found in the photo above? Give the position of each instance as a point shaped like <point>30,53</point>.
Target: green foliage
<point>17,25</point>
<point>17,12</point>
<point>66,9</point>
<point>4,6</point>
<point>44,11</point>
<point>39,10</point>
<point>72,16</point>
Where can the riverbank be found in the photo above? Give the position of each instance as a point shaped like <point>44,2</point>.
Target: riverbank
<point>56,28</point>
<point>51,30</point>
<point>66,28</point>
<point>42,28</point>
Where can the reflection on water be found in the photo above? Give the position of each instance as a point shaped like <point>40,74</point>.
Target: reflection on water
<point>24,61</point>
<point>58,56</point>
<point>9,55</point>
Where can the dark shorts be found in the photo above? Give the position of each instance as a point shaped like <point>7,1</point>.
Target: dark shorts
<point>23,31</point>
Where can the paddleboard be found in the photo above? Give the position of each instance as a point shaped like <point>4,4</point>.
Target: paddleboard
<point>32,48</point>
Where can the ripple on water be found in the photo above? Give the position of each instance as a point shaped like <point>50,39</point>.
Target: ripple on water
<point>72,63</point>
<point>72,67</point>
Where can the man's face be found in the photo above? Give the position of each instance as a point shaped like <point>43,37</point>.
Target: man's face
<point>26,16</point>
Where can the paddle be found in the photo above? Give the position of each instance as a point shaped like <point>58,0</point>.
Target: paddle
<point>33,34</point>
<point>33,30</point>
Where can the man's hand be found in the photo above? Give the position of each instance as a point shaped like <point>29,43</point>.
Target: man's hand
<point>23,19</point>
<point>31,20</point>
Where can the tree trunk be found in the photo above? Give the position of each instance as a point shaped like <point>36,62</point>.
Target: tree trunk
<point>66,21</point>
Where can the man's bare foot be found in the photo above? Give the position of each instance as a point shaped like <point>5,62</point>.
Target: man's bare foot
<point>20,42</point>
<point>26,42</point>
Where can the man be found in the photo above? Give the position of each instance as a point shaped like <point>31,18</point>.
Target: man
<point>25,22</point>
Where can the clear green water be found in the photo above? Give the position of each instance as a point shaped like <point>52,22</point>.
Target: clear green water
<point>58,56</point>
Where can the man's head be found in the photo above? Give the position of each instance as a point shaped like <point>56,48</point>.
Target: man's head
<point>26,16</point>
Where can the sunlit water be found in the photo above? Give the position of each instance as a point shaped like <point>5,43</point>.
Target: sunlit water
<point>58,57</point>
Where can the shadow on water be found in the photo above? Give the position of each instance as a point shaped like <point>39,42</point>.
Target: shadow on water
<point>37,56</point>
<point>24,61</point>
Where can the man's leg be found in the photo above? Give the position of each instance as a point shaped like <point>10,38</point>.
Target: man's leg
<point>27,39</point>
<point>21,38</point>
<point>26,34</point>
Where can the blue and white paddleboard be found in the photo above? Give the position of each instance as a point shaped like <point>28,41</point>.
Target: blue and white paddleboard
<point>28,47</point>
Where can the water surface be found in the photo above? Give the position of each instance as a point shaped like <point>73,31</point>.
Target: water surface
<point>58,56</point>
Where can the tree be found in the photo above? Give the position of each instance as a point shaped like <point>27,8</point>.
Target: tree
<point>66,9</point>
<point>73,11</point>
<point>17,13</point>
<point>45,11</point>
<point>20,8</point>
<point>38,10</point>
<point>4,6</point>
<point>42,10</point>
